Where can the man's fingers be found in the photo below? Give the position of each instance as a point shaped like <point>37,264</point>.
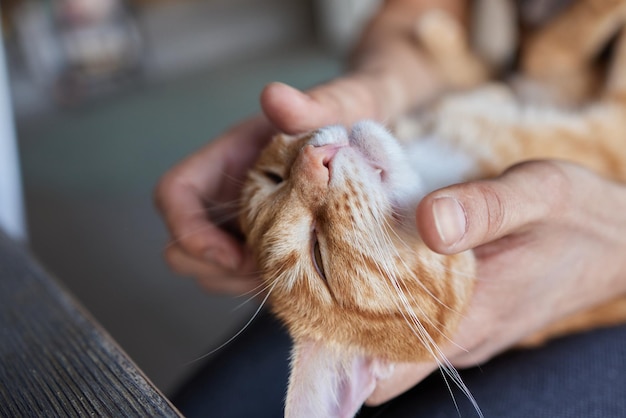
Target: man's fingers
<point>185,265</point>
<point>207,179</point>
<point>187,220</point>
<point>467,215</point>
<point>212,276</point>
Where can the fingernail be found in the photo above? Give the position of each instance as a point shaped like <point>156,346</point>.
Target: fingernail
<point>449,220</point>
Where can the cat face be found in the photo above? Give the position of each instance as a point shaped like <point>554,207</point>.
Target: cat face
<point>330,218</point>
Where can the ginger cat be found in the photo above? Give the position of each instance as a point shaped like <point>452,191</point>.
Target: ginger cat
<point>330,214</point>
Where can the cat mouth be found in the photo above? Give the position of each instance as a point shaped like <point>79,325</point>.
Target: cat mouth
<point>369,147</point>
<point>363,139</point>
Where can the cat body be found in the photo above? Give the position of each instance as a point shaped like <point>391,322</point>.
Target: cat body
<point>330,218</point>
<point>351,195</point>
<point>375,295</point>
<point>494,130</point>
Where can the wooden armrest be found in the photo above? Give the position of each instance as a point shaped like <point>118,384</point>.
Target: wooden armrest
<point>55,360</point>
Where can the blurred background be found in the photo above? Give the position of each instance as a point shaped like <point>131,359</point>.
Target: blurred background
<point>107,95</point>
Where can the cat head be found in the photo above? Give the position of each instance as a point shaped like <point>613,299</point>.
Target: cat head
<point>330,218</point>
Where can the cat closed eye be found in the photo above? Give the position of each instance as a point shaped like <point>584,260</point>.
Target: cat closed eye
<point>317,260</point>
<point>273,177</point>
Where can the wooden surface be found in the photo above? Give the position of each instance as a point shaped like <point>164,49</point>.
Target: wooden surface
<point>54,359</point>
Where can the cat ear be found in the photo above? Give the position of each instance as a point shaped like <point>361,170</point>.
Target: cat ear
<point>326,382</point>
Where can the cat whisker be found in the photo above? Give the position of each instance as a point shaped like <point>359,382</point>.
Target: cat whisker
<point>449,370</point>
<point>261,285</point>
<point>188,234</point>
<point>443,268</point>
<point>239,182</point>
<point>210,205</point>
<point>445,366</point>
<point>419,330</point>
<point>221,220</point>
<point>405,307</point>
<point>229,204</point>
<point>231,339</point>
<point>389,243</point>
<point>434,324</point>
<point>384,242</point>
<point>402,215</point>
<point>264,288</point>
<point>215,223</point>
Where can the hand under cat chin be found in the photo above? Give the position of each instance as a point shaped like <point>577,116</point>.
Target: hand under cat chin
<point>402,378</point>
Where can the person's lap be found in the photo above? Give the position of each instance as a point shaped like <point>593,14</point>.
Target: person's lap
<point>247,378</point>
<point>578,376</point>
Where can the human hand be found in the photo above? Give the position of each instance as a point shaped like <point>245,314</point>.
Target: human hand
<point>198,201</point>
<point>549,238</point>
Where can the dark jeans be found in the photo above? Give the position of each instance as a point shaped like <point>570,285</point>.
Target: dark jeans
<point>578,376</point>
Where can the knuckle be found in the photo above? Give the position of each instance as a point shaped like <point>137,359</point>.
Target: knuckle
<point>554,184</point>
<point>494,210</point>
<point>557,186</point>
<point>525,194</point>
<point>194,244</point>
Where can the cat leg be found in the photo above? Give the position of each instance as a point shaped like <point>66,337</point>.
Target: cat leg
<point>559,55</point>
<point>494,32</point>
<point>616,83</point>
<point>445,40</point>
<point>573,38</point>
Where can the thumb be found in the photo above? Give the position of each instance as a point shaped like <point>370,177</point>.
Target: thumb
<point>342,101</point>
<point>467,215</point>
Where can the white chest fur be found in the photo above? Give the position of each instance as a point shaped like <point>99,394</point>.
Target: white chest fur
<point>438,164</point>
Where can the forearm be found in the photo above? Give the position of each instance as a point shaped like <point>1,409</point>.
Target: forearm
<point>389,52</point>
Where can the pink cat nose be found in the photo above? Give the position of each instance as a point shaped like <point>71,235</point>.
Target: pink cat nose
<point>316,161</point>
